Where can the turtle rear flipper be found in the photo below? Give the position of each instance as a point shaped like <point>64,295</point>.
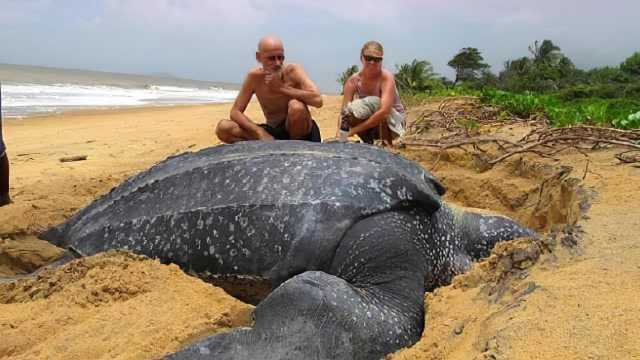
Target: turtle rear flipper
<point>372,305</point>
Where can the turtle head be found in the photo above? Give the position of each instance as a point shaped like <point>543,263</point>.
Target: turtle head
<point>480,232</point>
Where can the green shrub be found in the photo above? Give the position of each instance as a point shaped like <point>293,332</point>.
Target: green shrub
<point>602,91</point>
<point>595,111</point>
<point>632,91</point>
<point>631,122</point>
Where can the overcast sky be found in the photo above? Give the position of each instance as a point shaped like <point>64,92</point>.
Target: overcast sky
<point>216,39</point>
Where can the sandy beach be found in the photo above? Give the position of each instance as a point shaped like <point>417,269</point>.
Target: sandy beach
<point>574,301</point>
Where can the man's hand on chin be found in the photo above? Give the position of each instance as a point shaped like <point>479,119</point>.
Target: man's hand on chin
<point>273,79</point>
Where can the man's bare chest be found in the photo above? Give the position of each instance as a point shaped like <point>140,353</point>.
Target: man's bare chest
<point>273,99</point>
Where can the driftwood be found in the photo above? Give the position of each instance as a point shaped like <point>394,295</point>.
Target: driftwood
<point>73,158</point>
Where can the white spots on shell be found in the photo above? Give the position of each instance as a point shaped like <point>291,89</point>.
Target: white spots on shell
<point>402,193</point>
<point>483,225</point>
<point>250,231</point>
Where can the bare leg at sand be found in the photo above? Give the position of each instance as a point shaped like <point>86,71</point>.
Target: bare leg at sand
<point>4,180</point>
<point>298,124</point>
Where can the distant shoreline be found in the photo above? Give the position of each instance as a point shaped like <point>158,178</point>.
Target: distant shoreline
<point>90,111</point>
<point>40,91</point>
<point>17,73</point>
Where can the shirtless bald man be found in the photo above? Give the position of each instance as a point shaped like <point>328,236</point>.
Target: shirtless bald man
<point>284,92</point>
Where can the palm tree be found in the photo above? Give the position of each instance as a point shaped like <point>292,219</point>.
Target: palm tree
<point>415,76</point>
<point>346,75</point>
<point>545,53</point>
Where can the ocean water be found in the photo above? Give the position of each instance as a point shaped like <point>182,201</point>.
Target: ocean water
<point>28,91</point>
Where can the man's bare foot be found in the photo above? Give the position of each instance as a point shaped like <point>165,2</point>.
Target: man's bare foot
<point>5,199</point>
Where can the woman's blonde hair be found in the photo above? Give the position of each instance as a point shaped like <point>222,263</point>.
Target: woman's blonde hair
<point>372,45</point>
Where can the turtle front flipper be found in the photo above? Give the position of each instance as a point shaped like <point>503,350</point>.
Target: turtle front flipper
<point>481,232</point>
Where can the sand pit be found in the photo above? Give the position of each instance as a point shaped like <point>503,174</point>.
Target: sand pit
<point>569,296</point>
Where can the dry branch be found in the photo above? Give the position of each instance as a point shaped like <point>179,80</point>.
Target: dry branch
<point>630,156</point>
<point>542,141</point>
<point>459,114</point>
<point>575,139</point>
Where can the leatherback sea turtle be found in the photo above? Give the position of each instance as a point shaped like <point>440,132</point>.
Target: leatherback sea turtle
<point>352,234</point>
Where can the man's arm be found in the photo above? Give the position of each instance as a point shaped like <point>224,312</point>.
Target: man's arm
<point>240,105</point>
<point>386,101</point>
<point>308,92</point>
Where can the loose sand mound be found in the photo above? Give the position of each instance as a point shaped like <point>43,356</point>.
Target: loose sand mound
<point>114,305</point>
<point>25,255</point>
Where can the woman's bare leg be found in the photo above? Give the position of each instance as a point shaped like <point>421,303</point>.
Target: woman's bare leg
<point>385,134</point>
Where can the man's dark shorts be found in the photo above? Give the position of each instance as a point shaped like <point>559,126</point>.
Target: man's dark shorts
<point>280,132</point>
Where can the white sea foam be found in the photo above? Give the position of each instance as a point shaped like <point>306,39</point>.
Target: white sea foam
<point>26,99</point>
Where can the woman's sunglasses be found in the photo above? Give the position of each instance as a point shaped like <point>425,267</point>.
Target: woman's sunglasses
<point>374,59</point>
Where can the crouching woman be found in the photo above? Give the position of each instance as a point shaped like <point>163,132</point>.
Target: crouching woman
<point>371,106</point>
